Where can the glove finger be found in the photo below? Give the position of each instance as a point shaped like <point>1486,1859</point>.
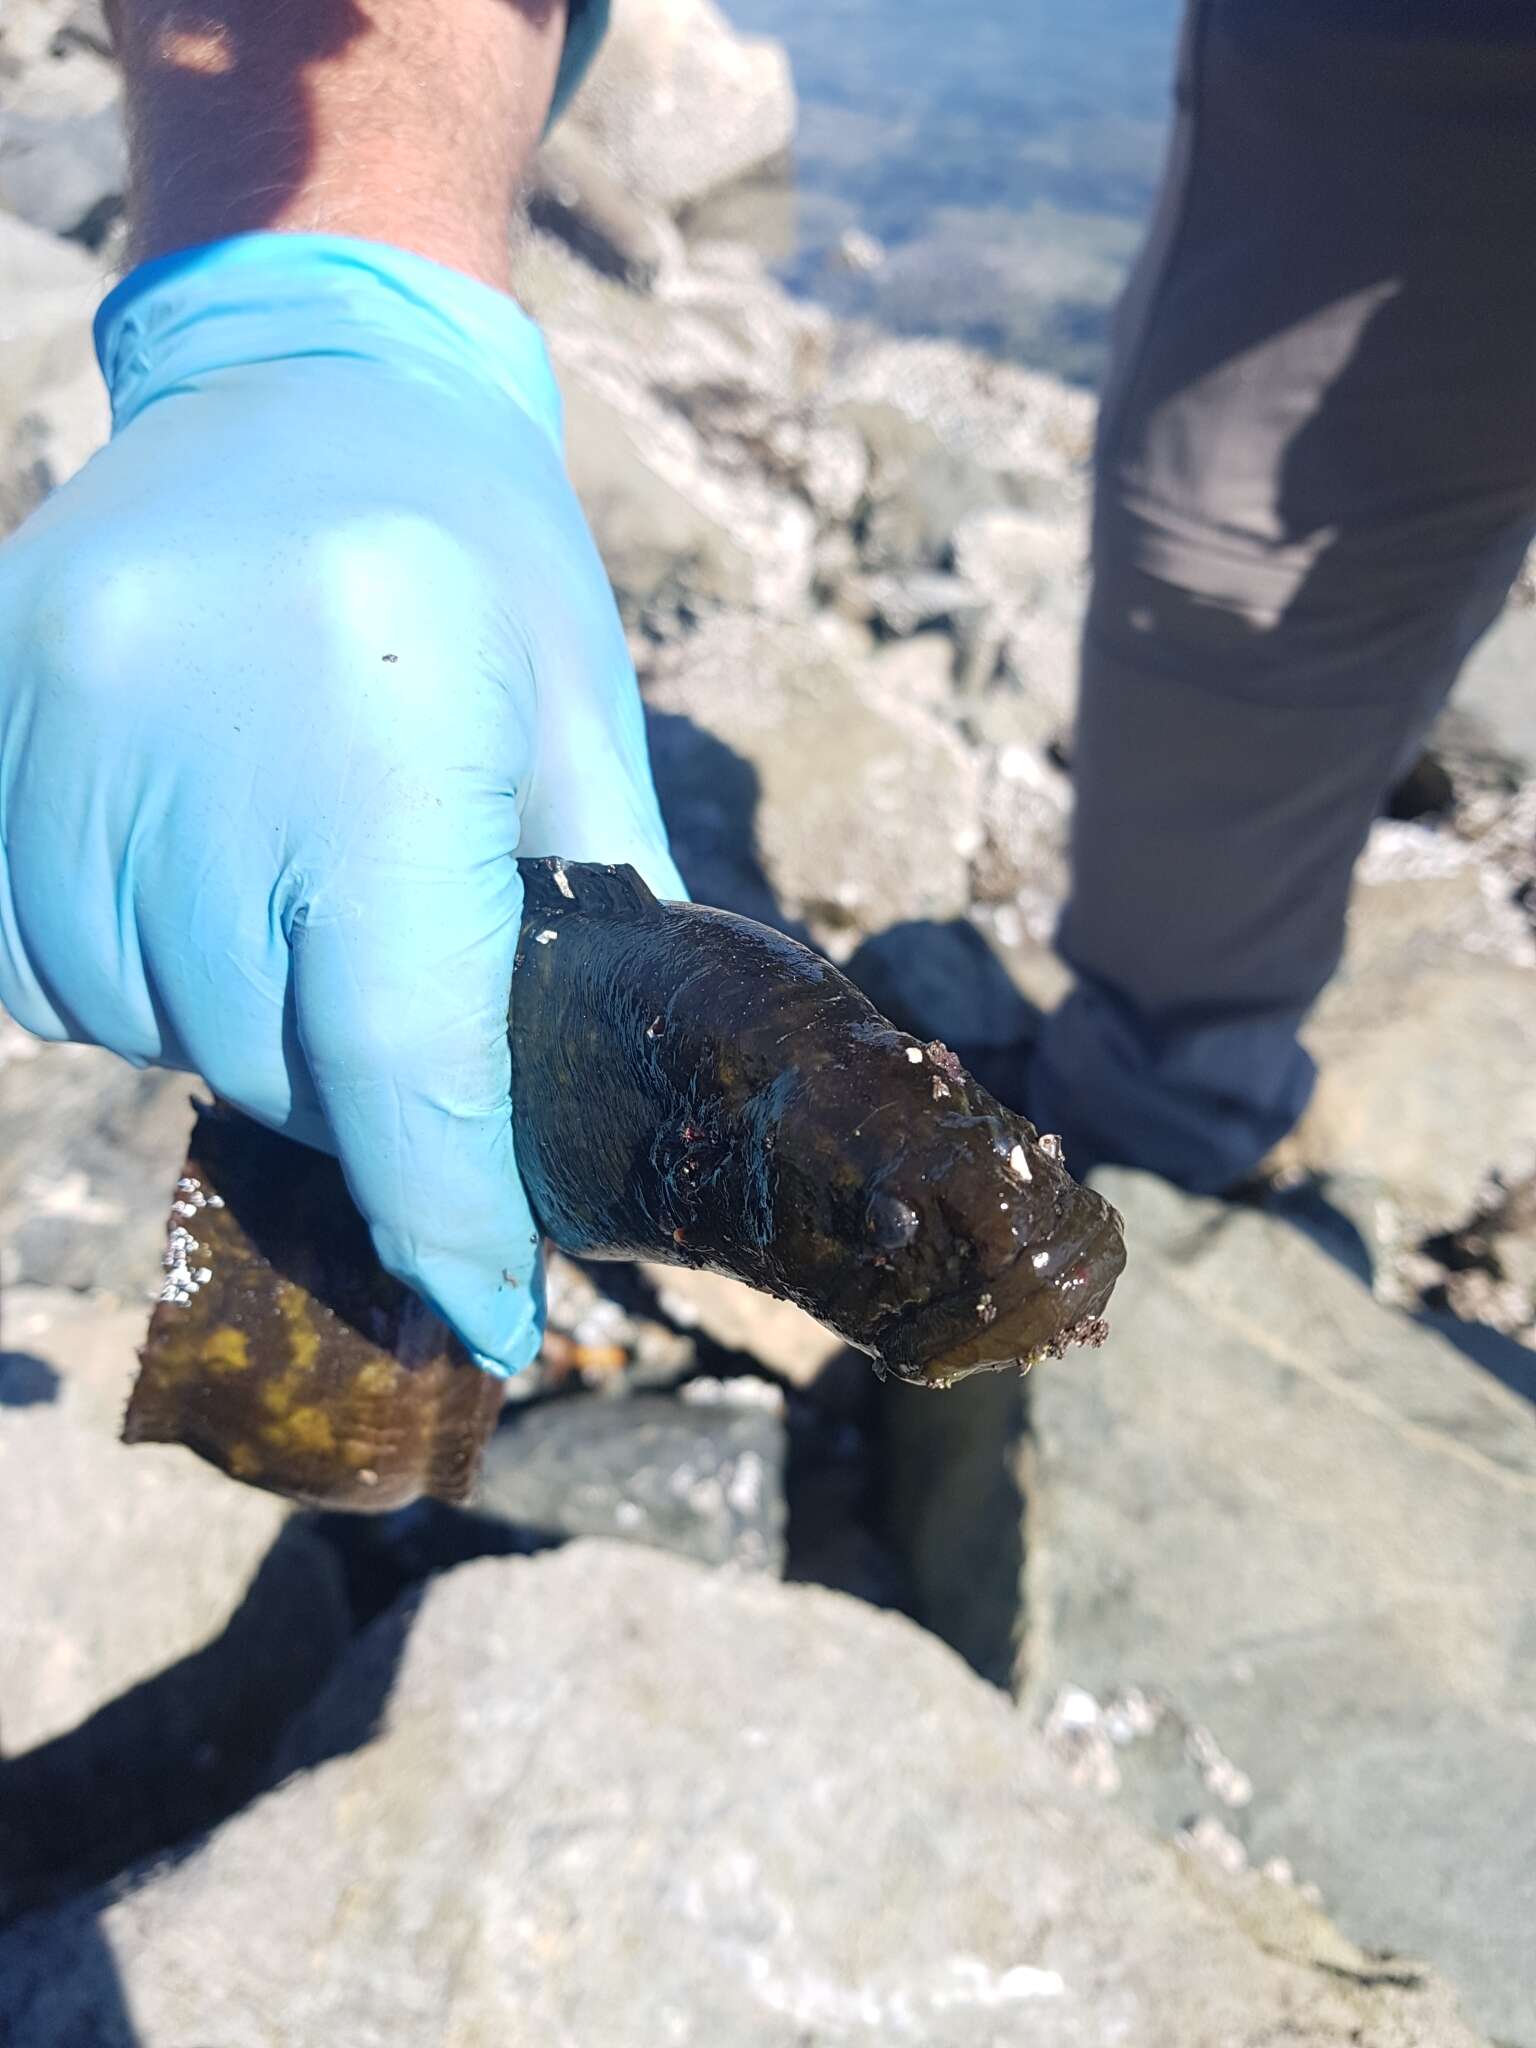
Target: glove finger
<point>401,1003</point>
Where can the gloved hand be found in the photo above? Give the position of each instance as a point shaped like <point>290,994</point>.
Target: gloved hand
<point>286,675</point>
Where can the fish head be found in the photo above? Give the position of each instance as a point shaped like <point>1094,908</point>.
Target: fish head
<point>967,1244</point>
<point>1021,1259</point>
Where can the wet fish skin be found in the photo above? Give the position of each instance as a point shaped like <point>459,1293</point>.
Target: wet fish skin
<point>761,1118</point>
<point>300,1365</point>
<point>689,1087</point>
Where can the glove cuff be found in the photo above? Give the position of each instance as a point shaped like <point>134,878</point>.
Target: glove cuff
<point>265,297</point>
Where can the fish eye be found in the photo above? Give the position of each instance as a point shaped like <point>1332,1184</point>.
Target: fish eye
<point>889,1222</point>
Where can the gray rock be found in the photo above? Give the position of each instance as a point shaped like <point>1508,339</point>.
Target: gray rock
<point>678,104</point>
<point>1494,689</point>
<point>66,173</point>
<point>53,409</point>
<point>56,56</point>
<point>737,1318</point>
<point>1310,1525</point>
<point>616,1799</point>
<point>702,1478</point>
<point>762,212</point>
<point>884,833</point>
<point>904,601</point>
<point>1426,1040</point>
<point>954,1476</point>
<point>920,670</point>
<point>89,1152</point>
<point>1019,559</point>
<point>920,484</point>
<point>1030,569</point>
<point>161,1625</point>
<point>942,981</point>
<point>835,563</point>
<point>835,470</point>
<point>104,1585</point>
<point>609,1344</point>
<point>1018,437</point>
<point>1025,818</point>
<point>574,197</point>
<point>668,397</point>
<point>661,548</point>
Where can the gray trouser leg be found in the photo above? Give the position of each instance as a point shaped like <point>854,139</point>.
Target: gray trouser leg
<point>1315,480</point>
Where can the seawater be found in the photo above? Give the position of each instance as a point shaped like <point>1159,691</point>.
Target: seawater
<point>1003,154</point>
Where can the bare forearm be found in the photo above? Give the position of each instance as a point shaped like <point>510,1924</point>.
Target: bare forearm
<point>402,121</point>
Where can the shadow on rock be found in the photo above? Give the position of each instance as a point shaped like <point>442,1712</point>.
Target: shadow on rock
<point>153,1769</point>
<point>1308,1209</point>
<point>709,797</point>
<point>1511,1363</point>
<point>93,1975</point>
<point>944,981</point>
<point>385,1558</point>
<point>26,1381</point>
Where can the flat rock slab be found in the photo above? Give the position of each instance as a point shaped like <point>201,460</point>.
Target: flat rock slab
<point>89,1153</point>
<point>885,834</point>
<point>1426,1039</point>
<point>617,1799</point>
<point>1495,686</point>
<point>677,104</point>
<point>737,1317</point>
<point>159,1626</point>
<point>1308,1526</point>
<point>702,1478</point>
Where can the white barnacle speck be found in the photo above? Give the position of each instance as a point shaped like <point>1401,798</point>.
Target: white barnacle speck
<point>1018,1165</point>
<point>545,938</point>
<point>1040,1260</point>
<point>183,1208</point>
<point>562,884</point>
<point>744,1487</point>
<point>186,1185</point>
<point>986,1309</point>
<point>1050,1145</point>
<point>915,1055</point>
<point>180,1282</point>
<point>215,1201</point>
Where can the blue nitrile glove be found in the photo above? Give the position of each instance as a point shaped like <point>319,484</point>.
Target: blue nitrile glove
<point>286,674</point>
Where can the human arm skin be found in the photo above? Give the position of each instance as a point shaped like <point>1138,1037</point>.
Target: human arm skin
<point>407,122</point>
<point>319,641</point>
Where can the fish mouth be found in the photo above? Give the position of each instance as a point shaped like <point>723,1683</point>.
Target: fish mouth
<point>1049,1298</point>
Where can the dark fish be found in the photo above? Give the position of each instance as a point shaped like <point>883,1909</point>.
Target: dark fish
<point>689,1087</point>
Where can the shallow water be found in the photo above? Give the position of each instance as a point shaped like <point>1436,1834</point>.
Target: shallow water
<point>1002,153</point>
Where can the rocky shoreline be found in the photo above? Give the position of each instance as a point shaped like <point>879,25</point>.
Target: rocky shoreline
<point>1257,1576</point>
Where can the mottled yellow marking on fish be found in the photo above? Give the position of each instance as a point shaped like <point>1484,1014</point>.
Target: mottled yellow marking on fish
<point>375,1380</point>
<point>306,1429</point>
<point>225,1350</point>
<point>296,1309</point>
<point>277,1395</point>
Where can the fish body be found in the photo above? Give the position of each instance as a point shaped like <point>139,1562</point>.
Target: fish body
<point>756,1115</point>
<point>689,1087</point>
